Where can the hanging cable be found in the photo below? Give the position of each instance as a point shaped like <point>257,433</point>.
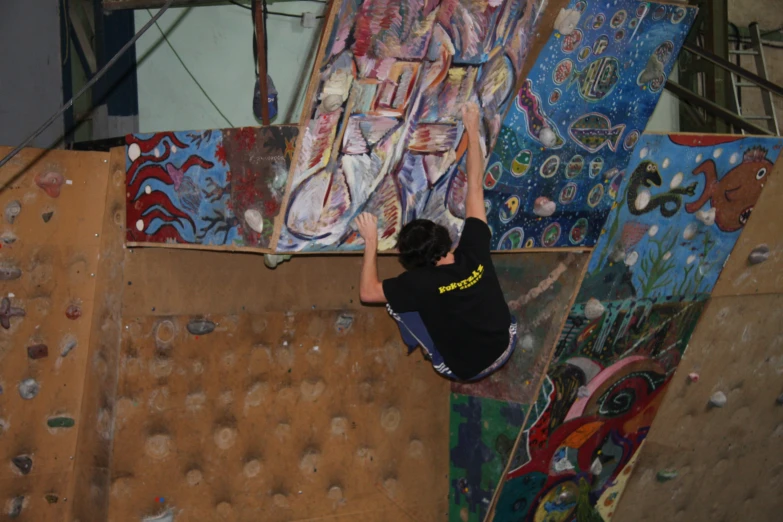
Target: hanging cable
<point>276,13</point>
<point>203,91</point>
<point>87,86</point>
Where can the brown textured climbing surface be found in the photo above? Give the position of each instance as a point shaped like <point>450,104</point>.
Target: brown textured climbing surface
<point>729,460</point>
<point>764,228</point>
<point>293,414</point>
<point>55,263</point>
<point>90,489</point>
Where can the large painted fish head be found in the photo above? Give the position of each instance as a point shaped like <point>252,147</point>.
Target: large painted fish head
<point>738,191</point>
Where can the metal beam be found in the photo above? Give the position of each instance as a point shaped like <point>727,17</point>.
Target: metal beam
<point>259,13</point>
<point>715,109</point>
<point>739,71</point>
<point>115,5</point>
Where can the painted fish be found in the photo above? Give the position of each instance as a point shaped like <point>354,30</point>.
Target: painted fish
<point>530,104</point>
<point>593,131</point>
<point>734,195</point>
<point>597,79</point>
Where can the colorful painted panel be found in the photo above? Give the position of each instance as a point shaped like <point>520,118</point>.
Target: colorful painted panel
<point>681,207</point>
<point>482,435</point>
<point>607,381</point>
<point>211,188</point>
<point>384,132</point>
<point>539,290</point>
<point>562,149</point>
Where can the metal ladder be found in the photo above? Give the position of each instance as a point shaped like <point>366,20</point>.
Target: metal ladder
<point>756,49</point>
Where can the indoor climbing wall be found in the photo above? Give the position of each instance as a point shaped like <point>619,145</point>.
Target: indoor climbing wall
<point>50,250</point>
<point>680,210</point>
<point>382,131</point>
<point>563,148</point>
<point>714,452</point>
<point>486,417</point>
<point>209,189</point>
<point>293,414</point>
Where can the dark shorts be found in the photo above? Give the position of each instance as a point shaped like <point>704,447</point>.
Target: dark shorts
<point>415,334</point>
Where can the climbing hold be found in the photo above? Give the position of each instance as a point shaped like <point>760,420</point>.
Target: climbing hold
<point>23,463</point>
<point>7,312</point>
<point>594,309</point>
<point>255,220</point>
<point>312,389</point>
<point>335,493</point>
<point>51,498</point>
<point>193,477</point>
<point>527,342</point>
<point>60,422</point>
<point>693,377</point>
<point>29,388</point>
<point>47,216</point>
<point>547,137</point>
<point>343,323</point>
<point>416,448</point>
<point>332,102</point>
<point>224,509</point>
<point>309,462</point>
<point>166,516</point>
<point>201,327</point>
<point>12,211</point>
<point>67,345</point>
<point>758,255</point>
<point>566,21</point>
<point>583,392</point>
<point>718,399</point>
<point>9,273</point>
<point>666,475</point>
<point>544,207</point>
<point>225,437</point>
<point>596,468</point>
<point>37,351</point>
<point>8,238</point>
<point>15,506</point>
<point>280,500</point>
<point>272,260</point>
<point>252,468</point>
<point>73,312</point>
<point>390,419</point>
<point>50,182</point>
<point>338,425</point>
<point>158,446</point>
<point>779,400</point>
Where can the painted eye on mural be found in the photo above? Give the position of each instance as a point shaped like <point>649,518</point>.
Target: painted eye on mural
<point>651,167</point>
<point>761,173</point>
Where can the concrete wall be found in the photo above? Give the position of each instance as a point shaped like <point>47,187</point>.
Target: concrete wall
<point>215,43</point>
<point>31,78</point>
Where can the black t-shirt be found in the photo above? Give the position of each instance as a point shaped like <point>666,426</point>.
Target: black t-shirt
<point>461,304</point>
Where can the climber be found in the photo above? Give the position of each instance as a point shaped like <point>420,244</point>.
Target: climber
<point>448,302</point>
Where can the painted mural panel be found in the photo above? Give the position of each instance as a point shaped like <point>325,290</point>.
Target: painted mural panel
<point>219,188</point>
<point>539,290</point>
<point>607,380</point>
<point>680,210</point>
<point>384,131</point>
<point>553,174</point>
<point>482,435</point>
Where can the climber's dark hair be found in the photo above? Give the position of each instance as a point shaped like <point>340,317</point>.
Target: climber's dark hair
<point>422,243</point>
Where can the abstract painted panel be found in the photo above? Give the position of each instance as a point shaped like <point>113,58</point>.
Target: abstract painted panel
<point>563,148</point>
<point>539,290</point>
<point>383,132</point>
<point>217,188</point>
<point>606,382</point>
<point>680,209</point>
<point>482,435</point>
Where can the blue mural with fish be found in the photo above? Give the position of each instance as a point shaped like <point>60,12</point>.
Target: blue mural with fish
<point>562,150</point>
<point>679,212</point>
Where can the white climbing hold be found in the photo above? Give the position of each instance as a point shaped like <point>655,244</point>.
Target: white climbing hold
<point>706,216</point>
<point>718,399</point>
<point>254,220</point>
<point>583,392</point>
<point>567,20</point>
<point>548,137</point>
<point>134,151</point>
<point>594,309</point>
<point>632,258</point>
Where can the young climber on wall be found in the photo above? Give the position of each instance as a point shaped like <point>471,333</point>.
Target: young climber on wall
<point>448,302</point>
